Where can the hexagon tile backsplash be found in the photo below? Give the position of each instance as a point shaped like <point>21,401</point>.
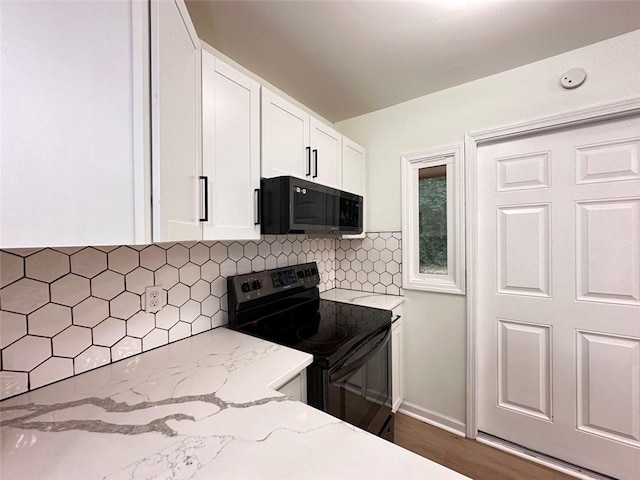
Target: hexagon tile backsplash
<point>64,311</point>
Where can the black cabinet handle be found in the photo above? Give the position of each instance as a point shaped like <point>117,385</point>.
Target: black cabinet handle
<point>315,161</point>
<point>205,195</point>
<point>308,161</point>
<point>258,206</point>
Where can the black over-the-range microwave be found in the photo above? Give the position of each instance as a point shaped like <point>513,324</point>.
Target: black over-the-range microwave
<point>292,205</point>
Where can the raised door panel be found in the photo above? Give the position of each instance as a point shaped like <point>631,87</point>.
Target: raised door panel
<point>524,368</point>
<point>285,138</point>
<point>523,250</point>
<point>176,122</point>
<point>608,251</point>
<point>69,143</point>
<point>616,417</point>
<point>231,151</point>
<point>326,154</point>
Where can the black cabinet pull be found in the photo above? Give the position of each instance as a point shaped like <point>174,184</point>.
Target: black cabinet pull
<point>258,206</point>
<point>206,198</point>
<point>308,161</point>
<point>315,162</point>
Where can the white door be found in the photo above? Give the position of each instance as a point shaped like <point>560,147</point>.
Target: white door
<point>231,151</point>
<point>176,122</point>
<point>326,154</point>
<point>285,138</point>
<point>559,294</point>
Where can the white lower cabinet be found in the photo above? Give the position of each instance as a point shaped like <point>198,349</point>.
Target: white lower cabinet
<point>296,388</point>
<point>396,359</point>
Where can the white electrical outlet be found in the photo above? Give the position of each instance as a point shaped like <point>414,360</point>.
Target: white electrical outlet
<point>154,298</point>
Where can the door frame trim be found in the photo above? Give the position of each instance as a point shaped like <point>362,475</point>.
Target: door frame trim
<point>473,140</point>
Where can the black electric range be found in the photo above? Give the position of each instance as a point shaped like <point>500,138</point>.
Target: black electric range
<point>351,374</point>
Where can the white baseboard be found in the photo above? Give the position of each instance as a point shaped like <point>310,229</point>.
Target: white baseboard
<point>444,422</point>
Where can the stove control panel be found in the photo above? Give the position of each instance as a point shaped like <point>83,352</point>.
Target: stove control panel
<point>250,286</point>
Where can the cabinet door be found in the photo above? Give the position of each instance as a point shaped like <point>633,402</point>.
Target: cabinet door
<point>176,118</point>
<point>70,143</point>
<point>285,138</point>
<point>326,154</point>
<point>396,360</point>
<point>231,150</point>
<point>296,388</point>
<point>353,176</point>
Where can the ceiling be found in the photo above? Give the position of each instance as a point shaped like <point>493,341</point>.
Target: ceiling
<point>346,58</point>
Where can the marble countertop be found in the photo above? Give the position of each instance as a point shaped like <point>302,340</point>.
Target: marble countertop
<point>367,299</point>
<point>201,408</point>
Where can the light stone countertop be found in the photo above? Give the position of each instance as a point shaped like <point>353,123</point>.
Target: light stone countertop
<point>366,299</point>
<point>201,408</point>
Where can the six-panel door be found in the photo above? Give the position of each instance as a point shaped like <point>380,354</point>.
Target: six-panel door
<point>559,294</point>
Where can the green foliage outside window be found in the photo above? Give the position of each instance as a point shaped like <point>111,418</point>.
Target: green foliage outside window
<point>433,224</point>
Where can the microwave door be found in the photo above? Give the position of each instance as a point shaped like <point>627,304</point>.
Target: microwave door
<point>309,209</point>
<point>350,213</point>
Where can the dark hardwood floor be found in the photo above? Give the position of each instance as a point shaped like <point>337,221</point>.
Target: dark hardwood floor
<point>469,457</point>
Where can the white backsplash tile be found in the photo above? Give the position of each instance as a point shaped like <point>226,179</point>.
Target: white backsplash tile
<point>49,320</point>
<point>26,354</point>
<point>11,268</point>
<point>70,290</point>
<point>53,369</point>
<point>370,264</point>
<point>47,265</point>
<point>13,383</point>
<point>126,347</point>
<point>108,332</point>
<point>94,314</point>
<point>72,341</point>
<point>93,357</point>
<point>12,327</point>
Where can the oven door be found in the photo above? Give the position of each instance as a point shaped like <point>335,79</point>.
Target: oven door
<point>359,387</point>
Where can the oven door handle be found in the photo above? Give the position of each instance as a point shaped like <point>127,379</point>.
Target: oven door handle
<point>341,375</point>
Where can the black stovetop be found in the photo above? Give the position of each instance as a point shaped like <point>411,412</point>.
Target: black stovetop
<point>321,327</point>
<point>283,306</point>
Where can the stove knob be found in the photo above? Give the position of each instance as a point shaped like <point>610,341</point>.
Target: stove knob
<point>300,274</point>
<point>245,287</point>
<point>256,285</point>
<point>314,270</point>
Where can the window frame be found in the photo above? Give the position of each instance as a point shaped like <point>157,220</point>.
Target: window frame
<point>412,279</point>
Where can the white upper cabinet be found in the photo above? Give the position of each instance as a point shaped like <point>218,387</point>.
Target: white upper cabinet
<point>231,151</point>
<point>176,123</point>
<point>326,154</point>
<point>73,151</point>
<point>353,167</point>
<point>285,138</point>
<point>354,175</point>
<point>294,143</point>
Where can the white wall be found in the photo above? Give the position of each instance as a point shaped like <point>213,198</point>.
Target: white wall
<point>435,323</point>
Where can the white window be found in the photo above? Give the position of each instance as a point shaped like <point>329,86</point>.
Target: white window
<point>433,221</point>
